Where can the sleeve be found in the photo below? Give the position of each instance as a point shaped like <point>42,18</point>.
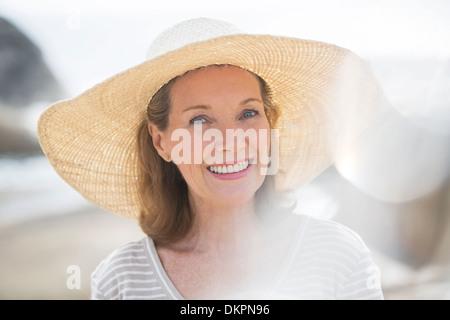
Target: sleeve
<point>363,282</point>
<point>98,279</point>
<point>96,293</point>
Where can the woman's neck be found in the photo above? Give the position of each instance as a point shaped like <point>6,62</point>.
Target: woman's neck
<point>219,228</point>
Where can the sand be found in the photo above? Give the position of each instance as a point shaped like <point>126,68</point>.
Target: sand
<point>35,256</point>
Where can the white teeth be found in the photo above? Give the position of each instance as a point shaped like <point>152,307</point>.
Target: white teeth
<point>229,168</point>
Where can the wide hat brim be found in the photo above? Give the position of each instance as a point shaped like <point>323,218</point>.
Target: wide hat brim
<point>326,95</point>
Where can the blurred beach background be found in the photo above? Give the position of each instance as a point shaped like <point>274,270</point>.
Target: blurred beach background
<point>392,187</point>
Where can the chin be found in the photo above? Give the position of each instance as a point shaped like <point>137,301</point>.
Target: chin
<point>236,194</point>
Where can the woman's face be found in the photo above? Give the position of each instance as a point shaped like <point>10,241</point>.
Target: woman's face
<point>207,106</point>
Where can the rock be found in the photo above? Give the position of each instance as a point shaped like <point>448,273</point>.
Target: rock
<point>25,81</point>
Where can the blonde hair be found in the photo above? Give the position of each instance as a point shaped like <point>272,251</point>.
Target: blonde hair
<point>165,212</point>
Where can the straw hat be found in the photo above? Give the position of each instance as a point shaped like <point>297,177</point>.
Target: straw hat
<point>325,93</point>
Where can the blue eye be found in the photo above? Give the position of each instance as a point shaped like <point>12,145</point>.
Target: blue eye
<point>249,114</point>
<point>197,120</point>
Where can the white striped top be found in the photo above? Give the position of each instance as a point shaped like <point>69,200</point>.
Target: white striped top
<point>326,261</point>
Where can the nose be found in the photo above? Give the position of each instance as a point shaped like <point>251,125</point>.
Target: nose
<point>234,144</point>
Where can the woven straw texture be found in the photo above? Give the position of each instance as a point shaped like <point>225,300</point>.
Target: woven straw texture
<point>326,95</point>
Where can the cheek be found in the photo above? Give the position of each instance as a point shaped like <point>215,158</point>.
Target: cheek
<point>192,174</point>
<point>186,171</point>
<point>263,139</point>
<point>183,147</point>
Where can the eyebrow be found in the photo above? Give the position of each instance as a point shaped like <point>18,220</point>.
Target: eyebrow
<point>205,107</point>
<point>197,107</point>
<point>250,100</point>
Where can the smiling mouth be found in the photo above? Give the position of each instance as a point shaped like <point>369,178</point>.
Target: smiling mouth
<point>230,168</point>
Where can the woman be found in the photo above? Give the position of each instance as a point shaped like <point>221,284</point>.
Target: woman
<point>202,143</point>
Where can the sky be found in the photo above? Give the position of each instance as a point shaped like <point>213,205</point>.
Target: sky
<point>86,41</point>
